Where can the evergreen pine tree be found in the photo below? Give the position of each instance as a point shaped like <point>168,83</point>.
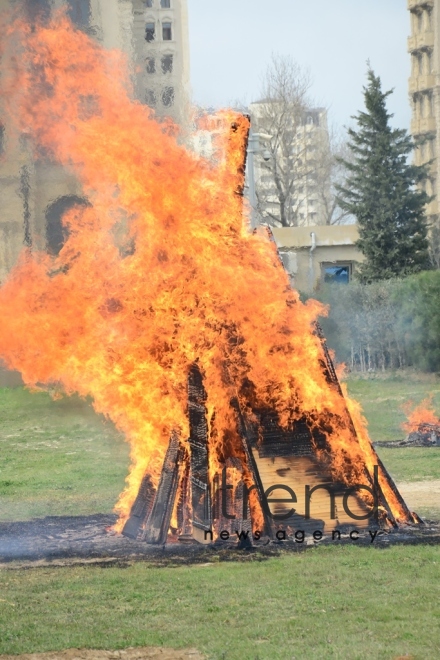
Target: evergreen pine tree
<point>380,191</point>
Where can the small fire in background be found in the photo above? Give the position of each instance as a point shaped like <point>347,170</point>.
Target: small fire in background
<point>422,425</point>
<point>159,272</point>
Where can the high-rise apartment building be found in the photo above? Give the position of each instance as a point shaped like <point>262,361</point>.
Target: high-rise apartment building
<point>161,52</point>
<point>292,184</point>
<point>424,89</point>
<point>154,35</point>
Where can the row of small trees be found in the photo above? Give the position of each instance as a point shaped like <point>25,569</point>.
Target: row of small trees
<point>389,324</point>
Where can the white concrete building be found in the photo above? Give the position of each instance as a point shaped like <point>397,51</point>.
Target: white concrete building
<point>161,53</point>
<point>297,155</point>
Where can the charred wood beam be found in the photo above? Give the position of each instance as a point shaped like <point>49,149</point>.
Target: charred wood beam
<point>241,171</point>
<point>329,367</point>
<point>199,453</point>
<point>141,508</point>
<point>158,523</point>
<point>184,503</point>
<point>398,496</point>
<point>269,529</point>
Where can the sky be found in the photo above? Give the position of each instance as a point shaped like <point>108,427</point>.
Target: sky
<point>231,43</point>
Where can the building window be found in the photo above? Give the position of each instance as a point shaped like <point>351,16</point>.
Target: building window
<point>166,31</point>
<point>149,32</point>
<point>79,12</point>
<point>165,4</point>
<point>56,232</point>
<point>167,64</point>
<point>336,273</point>
<point>150,98</point>
<point>429,61</point>
<point>2,139</point>
<point>150,65</point>
<point>168,96</point>
<point>149,4</point>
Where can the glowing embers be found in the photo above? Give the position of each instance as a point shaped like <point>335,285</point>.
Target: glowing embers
<point>273,483</point>
<point>426,435</point>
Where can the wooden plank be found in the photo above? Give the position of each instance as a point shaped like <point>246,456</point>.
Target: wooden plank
<point>156,529</point>
<point>141,508</point>
<point>199,452</point>
<point>248,439</point>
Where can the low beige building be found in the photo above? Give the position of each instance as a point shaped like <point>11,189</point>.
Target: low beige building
<point>318,254</point>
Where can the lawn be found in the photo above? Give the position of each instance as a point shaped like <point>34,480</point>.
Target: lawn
<point>382,397</point>
<point>58,457</point>
<point>354,603</point>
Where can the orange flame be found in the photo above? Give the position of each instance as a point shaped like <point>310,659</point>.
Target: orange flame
<point>125,325</point>
<point>424,413</point>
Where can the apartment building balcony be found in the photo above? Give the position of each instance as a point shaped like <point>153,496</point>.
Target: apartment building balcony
<point>423,125</point>
<point>421,83</point>
<point>413,4</point>
<point>420,41</point>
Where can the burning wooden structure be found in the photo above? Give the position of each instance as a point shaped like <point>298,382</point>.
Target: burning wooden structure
<point>273,482</point>
<point>277,482</point>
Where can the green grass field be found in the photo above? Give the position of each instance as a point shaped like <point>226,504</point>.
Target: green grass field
<point>58,457</point>
<point>350,602</point>
<point>382,397</point>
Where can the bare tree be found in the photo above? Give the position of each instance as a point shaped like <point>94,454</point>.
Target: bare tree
<point>330,171</point>
<point>295,178</point>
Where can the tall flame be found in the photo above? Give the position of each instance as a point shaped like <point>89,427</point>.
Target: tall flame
<point>160,272</point>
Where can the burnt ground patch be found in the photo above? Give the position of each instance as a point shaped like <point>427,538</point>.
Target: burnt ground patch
<point>63,540</point>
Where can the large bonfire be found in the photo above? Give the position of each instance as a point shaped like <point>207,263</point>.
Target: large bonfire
<point>159,273</point>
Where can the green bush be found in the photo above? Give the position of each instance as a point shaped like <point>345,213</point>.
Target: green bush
<point>420,319</point>
<point>389,324</point>
<point>363,324</point>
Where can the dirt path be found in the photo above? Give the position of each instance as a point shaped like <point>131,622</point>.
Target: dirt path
<point>148,653</point>
<point>421,494</point>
